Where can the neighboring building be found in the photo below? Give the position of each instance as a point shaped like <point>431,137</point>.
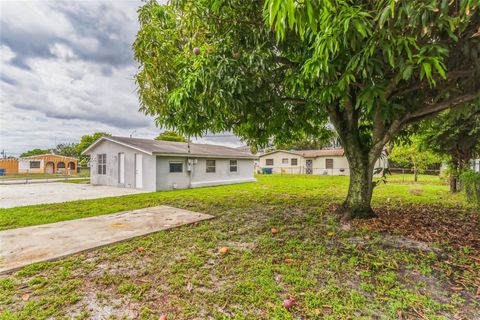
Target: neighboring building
<point>162,165</point>
<point>48,163</point>
<point>8,166</point>
<point>44,163</point>
<point>319,162</point>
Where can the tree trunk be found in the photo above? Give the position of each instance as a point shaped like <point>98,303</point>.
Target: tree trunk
<point>453,184</point>
<point>357,203</point>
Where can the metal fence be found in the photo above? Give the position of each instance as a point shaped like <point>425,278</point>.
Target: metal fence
<point>23,178</point>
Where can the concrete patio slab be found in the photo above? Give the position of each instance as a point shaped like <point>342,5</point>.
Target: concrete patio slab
<point>23,246</point>
<point>40,193</point>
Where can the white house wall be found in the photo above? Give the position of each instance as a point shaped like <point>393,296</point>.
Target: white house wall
<point>198,177</point>
<point>111,178</point>
<point>340,164</point>
<point>279,167</point>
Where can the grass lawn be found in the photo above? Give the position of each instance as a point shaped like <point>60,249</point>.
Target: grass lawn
<point>369,269</point>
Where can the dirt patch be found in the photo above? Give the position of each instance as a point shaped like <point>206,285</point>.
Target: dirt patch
<point>458,226</point>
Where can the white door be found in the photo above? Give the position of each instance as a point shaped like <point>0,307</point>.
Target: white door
<point>138,171</point>
<point>121,168</point>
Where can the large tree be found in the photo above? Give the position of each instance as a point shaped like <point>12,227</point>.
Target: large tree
<point>277,68</point>
<point>454,134</point>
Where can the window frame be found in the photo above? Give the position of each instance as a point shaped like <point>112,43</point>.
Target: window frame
<point>285,161</point>
<point>269,160</point>
<point>292,160</point>
<point>102,164</point>
<point>230,165</point>
<point>209,167</point>
<point>34,161</point>
<point>327,163</point>
<point>175,163</point>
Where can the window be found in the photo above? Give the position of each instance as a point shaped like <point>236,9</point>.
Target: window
<point>329,163</point>
<point>176,167</point>
<point>210,166</point>
<point>233,166</point>
<point>34,164</point>
<point>61,165</point>
<point>269,162</point>
<point>102,164</point>
<point>294,162</point>
<point>285,161</point>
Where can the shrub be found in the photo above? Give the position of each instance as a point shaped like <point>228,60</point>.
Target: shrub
<point>471,186</point>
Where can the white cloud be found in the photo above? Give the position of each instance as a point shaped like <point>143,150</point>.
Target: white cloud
<point>66,70</point>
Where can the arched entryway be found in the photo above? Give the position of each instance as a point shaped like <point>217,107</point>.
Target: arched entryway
<point>61,166</point>
<point>50,167</point>
<point>71,165</point>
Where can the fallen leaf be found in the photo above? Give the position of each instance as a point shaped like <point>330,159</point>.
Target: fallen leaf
<point>140,249</point>
<point>25,297</point>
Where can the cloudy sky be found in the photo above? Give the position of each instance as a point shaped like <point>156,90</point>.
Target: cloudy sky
<point>66,69</point>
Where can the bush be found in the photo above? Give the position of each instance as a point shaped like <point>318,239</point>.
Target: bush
<point>471,186</point>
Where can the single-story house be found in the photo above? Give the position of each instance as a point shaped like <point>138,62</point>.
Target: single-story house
<point>319,162</point>
<point>153,165</point>
<point>42,163</point>
<point>48,163</point>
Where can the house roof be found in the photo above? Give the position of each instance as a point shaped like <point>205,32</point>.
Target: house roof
<point>311,153</point>
<point>48,155</point>
<point>150,146</point>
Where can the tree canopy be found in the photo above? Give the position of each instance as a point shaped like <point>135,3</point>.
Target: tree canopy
<point>280,68</point>
<point>171,136</point>
<point>35,152</point>
<point>409,154</point>
<point>86,141</point>
<point>454,134</point>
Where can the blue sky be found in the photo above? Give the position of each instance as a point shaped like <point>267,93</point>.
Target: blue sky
<point>66,69</point>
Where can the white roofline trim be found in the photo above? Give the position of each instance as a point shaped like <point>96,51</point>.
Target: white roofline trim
<point>208,156</point>
<point>275,151</point>
<point>92,146</point>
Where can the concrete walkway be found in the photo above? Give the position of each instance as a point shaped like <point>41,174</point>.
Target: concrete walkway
<point>23,246</point>
<point>40,193</point>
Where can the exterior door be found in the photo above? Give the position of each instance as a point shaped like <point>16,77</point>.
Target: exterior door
<point>309,166</point>
<point>138,171</point>
<point>50,168</point>
<point>121,168</point>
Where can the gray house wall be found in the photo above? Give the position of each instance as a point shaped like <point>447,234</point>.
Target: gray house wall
<point>156,170</point>
<point>111,178</point>
<point>198,177</point>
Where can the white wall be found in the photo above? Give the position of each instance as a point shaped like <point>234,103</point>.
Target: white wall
<point>24,166</point>
<point>111,178</point>
<point>340,164</point>
<point>279,166</point>
<point>198,177</point>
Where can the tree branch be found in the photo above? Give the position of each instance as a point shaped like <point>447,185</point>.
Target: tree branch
<point>426,110</point>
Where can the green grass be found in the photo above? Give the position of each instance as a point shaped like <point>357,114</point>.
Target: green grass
<point>180,271</point>
<point>33,176</point>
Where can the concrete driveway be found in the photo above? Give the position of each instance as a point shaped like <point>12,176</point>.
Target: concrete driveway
<point>40,193</point>
<point>22,246</point>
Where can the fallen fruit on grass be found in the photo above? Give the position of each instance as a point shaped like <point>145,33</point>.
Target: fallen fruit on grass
<point>274,230</point>
<point>196,51</point>
<point>163,317</point>
<point>288,303</point>
<point>223,250</point>
<point>140,249</point>
<point>25,297</point>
